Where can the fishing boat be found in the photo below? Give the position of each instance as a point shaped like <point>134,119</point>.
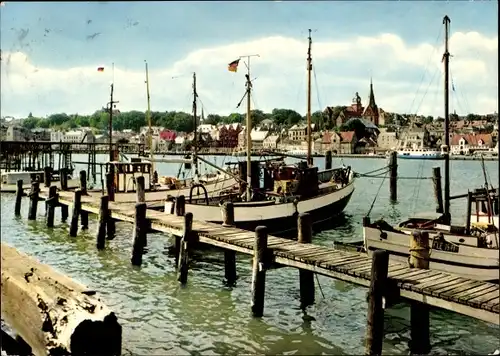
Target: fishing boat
<point>471,250</point>
<point>158,188</point>
<point>420,153</point>
<point>273,194</point>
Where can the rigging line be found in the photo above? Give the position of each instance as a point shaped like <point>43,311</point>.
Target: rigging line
<point>418,185</point>
<point>317,89</point>
<point>454,92</point>
<point>426,66</point>
<point>376,195</point>
<point>426,90</point>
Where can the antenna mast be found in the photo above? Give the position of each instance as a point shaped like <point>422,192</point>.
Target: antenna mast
<point>446,58</point>
<point>309,68</point>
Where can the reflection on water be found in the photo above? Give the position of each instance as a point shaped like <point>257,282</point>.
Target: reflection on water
<point>205,317</point>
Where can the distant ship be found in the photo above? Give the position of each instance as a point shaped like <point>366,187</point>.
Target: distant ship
<point>420,153</point>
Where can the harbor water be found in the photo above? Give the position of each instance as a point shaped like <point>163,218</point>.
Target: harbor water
<point>160,317</point>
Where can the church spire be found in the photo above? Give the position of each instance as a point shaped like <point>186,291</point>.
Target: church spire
<point>372,96</point>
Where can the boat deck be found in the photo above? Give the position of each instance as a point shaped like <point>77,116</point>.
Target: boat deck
<point>443,290</point>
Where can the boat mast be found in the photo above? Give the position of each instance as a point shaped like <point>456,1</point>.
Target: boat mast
<point>195,97</point>
<point>309,68</point>
<point>111,155</point>
<point>148,118</point>
<point>249,131</point>
<point>446,58</point>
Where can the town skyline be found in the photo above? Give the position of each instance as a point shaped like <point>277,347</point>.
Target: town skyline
<point>37,77</point>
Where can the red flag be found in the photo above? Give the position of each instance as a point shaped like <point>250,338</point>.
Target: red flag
<point>233,66</point>
<point>100,69</point>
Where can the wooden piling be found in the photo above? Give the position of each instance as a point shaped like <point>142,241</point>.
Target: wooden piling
<point>184,248</point>
<point>47,176</point>
<point>259,271</point>
<point>419,312</point>
<point>393,180</point>
<point>64,212</point>
<point>328,160</point>
<point>180,205</point>
<point>306,278</point>
<point>229,255</point>
<point>375,319</point>
<point>110,226</point>
<point>103,217</point>
<point>110,186</point>
<point>83,182</point>
<point>63,178</point>
<point>140,228</point>
<point>469,212</point>
<point>51,204</point>
<point>19,197</point>
<point>140,189</point>
<point>34,197</point>
<point>77,207</point>
<point>438,192</point>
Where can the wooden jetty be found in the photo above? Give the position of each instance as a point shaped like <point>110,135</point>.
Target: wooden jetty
<point>388,282</point>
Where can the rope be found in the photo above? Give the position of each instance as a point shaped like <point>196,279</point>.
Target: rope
<point>376,196</point>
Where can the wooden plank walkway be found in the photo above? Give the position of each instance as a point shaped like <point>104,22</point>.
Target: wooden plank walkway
<point>439,289</point>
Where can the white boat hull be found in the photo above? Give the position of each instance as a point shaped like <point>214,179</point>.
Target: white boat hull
<point>280,218</point>
<point>468,261</point>
<point>410,154</point>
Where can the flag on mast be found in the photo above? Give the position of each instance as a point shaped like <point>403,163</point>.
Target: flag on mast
<point>233,66</point>
<point>100,69</point>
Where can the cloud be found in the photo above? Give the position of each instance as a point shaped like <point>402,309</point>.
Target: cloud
<point>401,73</point>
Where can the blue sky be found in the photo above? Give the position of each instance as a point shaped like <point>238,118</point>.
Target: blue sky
<point>49,58</point>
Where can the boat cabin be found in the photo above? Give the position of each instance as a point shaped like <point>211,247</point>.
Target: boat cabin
<point>124,174</point>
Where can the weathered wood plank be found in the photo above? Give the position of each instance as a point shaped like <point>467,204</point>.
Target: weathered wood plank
<point>471,284</point>
<point>53,313</point>
<point>423,286</point>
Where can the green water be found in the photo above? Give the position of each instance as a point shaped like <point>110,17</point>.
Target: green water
<point>160,317</point>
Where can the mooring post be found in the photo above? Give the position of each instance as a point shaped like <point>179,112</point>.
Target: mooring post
<point>111,225</point>
<point>393,181</point>
<point>83,182</point>
<point>469,212</point>
<point>103,218</point>
<point>77,207</point>
<point>306,278</point>
<point>47,176</point>
<point>328,160</point>
<point>63,178</point>
<point>184,248</point>
<point>259,271</point>
<point>419,312</point>
<point>52,202</point>
<point>140,229</point>
<point>83,188</point>
<point>140,189</point>
<point>19,197</point>
<point>34,197</point>
<point>110,186</point>
<point>375,319</point>
<point>229,255</point>
<point>438,192</point>
<point>180,209</point>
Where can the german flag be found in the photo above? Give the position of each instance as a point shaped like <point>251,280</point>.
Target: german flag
<point>233,66</point>
<point>100,69</point>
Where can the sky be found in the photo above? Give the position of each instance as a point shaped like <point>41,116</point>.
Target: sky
<point>51,52</point>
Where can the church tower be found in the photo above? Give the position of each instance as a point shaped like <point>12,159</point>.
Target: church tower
<point>371,112</point>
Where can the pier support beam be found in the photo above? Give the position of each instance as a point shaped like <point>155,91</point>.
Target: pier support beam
<point>63,178</point>
<point>110,186</point>
<point>34,197</point>
<point>328,160</point>
<point>306,277</point>
<point>51,204</point>
<point>140,231</point>
<point>184,248</point>
<point>438,192</point>
<point>103,220</point>
<point>180,209</point>
<point>19,197</point>
<point>259,271</point>
<point>419,312</point>
<point>229,255</point>
<point>47,176</point>
<point>393,180</point>
<point>83,182</point>
<point>375,319</point>
<point>77,207</point>
<point>140,189</point>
